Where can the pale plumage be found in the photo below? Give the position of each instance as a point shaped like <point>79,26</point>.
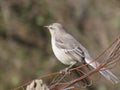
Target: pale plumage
<point>69,51</point>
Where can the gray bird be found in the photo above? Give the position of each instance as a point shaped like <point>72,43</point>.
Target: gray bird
<point>70,52</point>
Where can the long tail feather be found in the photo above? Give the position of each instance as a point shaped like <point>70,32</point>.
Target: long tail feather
<point>110,76</point>
<point>105,72</point>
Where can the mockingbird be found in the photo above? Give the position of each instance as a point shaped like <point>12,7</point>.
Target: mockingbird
<point>69,51</point>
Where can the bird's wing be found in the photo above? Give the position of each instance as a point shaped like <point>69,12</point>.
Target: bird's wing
<point>71,47</point>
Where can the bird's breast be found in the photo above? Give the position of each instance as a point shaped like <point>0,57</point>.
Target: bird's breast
<point>61,55</point>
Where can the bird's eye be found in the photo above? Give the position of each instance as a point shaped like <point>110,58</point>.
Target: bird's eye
<point>51,28</point>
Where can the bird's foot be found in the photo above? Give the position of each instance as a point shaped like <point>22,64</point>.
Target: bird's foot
<point>65,71</point>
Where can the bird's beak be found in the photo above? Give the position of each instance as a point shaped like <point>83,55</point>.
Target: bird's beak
<point>46,26</point>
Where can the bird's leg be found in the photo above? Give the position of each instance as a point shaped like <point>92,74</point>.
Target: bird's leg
<point>66,70</point>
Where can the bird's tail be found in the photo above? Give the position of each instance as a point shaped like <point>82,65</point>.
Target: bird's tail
<point>105,72</point>
<point>110,76</point>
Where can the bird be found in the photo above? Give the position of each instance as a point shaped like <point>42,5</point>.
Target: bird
<point>69,51</point>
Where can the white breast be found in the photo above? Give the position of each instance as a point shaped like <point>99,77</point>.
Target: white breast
<point>61,55</point>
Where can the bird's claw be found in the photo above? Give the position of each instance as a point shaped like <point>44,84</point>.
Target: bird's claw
<point>65,71</point>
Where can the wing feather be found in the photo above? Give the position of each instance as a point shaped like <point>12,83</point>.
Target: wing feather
<point>70,49</point>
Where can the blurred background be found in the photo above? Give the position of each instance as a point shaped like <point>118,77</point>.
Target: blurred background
<point>25,47</point>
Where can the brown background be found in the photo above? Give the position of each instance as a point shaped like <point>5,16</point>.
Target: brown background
<point>25,49</point>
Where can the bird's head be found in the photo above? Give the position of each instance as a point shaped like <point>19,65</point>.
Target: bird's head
<point>55,27</point>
